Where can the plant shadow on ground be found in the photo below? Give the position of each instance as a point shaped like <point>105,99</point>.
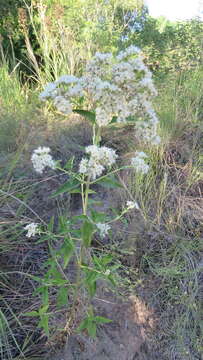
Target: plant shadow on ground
<point>159,250</point>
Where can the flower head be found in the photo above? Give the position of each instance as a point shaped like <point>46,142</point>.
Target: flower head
<point>32,229</point>
<point>63,105</point>
<point>67,79</point>
<point>103,229</point>
<point>132,205</point>
<point>103,118</point>
<point>42,159</point>
<point>50,91</point>
<point>138,162</point>
<point>100,157</point>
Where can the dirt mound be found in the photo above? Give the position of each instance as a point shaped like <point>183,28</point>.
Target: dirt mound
<point>125,338</point>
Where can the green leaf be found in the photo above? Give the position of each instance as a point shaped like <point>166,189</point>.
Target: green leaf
<point>43,310</point>
<point>44,323</point>
<point>109,182</point>
<point>31,313</point>
<point>98,216</point>
<point>43,290</point>
<point>90,191</point>
<point>67,187</point>
<point>106,259</point>
<point>87,114</point>
<point>92,329</point>
<point>114,120</point>
<point>98,263</point>
<point>75,218</point>
<point>92,287</point>
<point>102,320</point>
<point>67,251</point>
<point>83,325</point>
<point>57,282</point>
<point>75,191</point>
<point>51,224</point>
<point>92,275</point>
<point>87,232</point>
<point>69,164</point>
<point>63,225</point>
<point>112,280</point>
<point>62,297</point>
<point>43,239</point>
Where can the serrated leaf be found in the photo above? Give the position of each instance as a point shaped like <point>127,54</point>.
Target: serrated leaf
<point>109,182</point>
<point>87,232</point>
<point>87,114</point>
<point>66,187</point>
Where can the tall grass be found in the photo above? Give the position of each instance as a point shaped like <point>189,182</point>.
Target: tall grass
<point>179,101</point>
<point>169,239</point>
<point>16,111</point>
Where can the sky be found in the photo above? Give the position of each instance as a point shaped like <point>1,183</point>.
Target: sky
<point>174,9</point>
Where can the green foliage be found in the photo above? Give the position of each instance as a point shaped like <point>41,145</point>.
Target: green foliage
<point>90,324</point>
<point>169,46</point>
<point>41,30</point>
<point>87,232</point>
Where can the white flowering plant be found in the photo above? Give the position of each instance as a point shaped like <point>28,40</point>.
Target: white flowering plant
<point>119,90</point>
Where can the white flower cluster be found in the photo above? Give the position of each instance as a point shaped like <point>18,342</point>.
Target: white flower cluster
<point>131,50</point>
<point>147,130</point>
<point>50,91</point>
<point>63,105</point>
<point>32,229</point>
<point>42,159</point>
<point>107,272</point>
<point>138,162</point>
<point>103,229</point>
<point>99,158</point>
<point>132,205</point>
<point>114,84</point>
<point>120,87</point>
<point>62,91</point>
